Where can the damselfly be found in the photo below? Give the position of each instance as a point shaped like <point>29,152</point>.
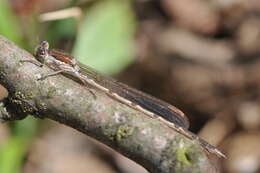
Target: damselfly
<point>60,62</point>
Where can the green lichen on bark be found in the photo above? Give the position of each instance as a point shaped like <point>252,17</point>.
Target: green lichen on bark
<point>123,132</point>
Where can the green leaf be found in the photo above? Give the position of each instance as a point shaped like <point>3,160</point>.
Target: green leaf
<point>9,26</point>
<point>12,155</point>
<point>13,152</point>
<point>106,35</point>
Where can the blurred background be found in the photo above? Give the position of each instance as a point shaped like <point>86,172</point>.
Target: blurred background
<point>202,56</point>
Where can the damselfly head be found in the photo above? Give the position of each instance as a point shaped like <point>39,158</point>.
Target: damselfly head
<point>42,50</point>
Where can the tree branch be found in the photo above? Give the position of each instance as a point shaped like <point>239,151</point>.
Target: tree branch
<point>142,139</point>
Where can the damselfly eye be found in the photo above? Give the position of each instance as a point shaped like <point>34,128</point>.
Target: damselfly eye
<point>44,44</point>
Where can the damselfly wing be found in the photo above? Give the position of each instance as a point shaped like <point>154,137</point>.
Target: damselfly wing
<point>150,103</point>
